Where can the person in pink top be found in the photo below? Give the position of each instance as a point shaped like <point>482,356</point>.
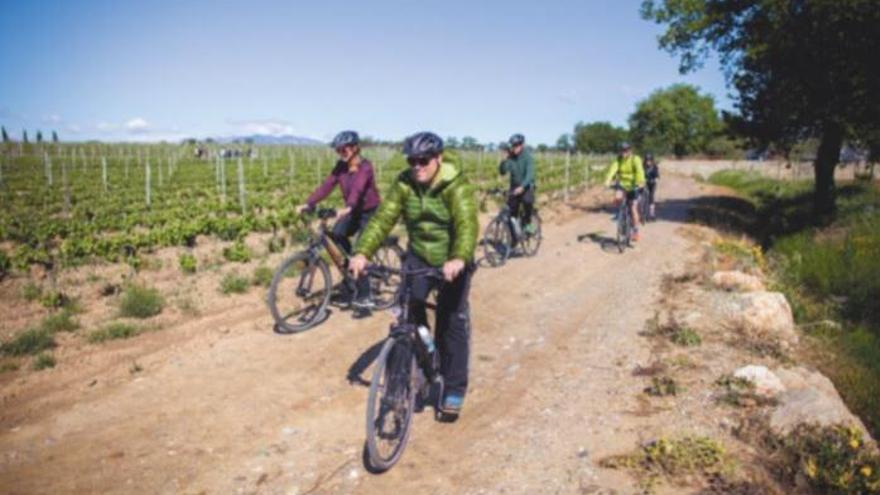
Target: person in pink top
<point>354,175</point>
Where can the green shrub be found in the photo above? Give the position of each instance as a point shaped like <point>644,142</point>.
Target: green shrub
<point>833,459</point>
<point>61,321</point>
<point>31,292</point>
<point>275,244</point>
<point>672,459</point>
<point>238,252</point>
<point>54,299</point>
<point>31,341</point>
<point>686,337</point>
<point>662,386</point>
<point>44,360</point>
<point>8,366</point>
<point>140,302</point>
<point>113,331</point>
<point>233,283</point>
<point>187,263</point>
<point>262,276</point>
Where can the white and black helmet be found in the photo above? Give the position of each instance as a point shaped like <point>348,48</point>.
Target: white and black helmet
<point>345,138</point>
<point>423,144</point>
<point>516,140</point>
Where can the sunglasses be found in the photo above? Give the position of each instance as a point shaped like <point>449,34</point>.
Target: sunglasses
<point>419,161</point>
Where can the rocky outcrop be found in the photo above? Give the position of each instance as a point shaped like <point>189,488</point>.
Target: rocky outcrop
<point>761,316</point>
<point>737,281</point>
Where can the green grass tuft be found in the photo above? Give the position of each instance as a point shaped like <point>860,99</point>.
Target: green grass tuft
<point>114,331</point>
<point>262,276</point>
<point>187,263</point>
<point>233,283</point>
<point>30,341</point>
<point>140,302</point>
<point>43,360</point>
<point>238,252</point>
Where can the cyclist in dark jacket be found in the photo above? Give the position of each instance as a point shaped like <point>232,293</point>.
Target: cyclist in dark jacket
<point>439,208</point>
<point>354,176</point>
<point>521,167</point>
<point>652,175</point>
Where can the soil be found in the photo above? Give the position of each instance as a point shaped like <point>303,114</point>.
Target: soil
<point>218,403</point>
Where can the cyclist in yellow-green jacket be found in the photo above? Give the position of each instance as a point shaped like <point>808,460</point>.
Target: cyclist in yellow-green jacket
<point>629,173</point>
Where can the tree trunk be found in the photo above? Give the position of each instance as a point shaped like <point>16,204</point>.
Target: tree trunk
<point>826,161</point>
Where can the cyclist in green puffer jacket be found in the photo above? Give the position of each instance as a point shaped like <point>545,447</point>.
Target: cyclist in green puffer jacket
<point>439,209</point>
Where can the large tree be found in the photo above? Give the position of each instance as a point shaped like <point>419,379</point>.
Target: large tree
<point>598,137</point>
<point>800,68</point>
<point>677,120</point>
<point>5,135</point>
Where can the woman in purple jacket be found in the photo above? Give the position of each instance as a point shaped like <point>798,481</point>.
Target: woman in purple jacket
<point>354,175</point>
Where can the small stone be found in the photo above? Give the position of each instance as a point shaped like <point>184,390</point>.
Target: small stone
<point>766,383</point>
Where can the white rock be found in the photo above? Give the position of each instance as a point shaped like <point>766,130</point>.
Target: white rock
<point>810,397</point>
<point>766,383</point>
<point>763,315</point>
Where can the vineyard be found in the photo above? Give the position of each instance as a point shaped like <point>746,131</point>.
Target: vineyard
<point>65,205</point>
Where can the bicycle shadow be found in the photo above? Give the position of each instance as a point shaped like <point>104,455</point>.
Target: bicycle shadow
<point>280,331</point>
<point>357,368</point>
<point>605,243</point>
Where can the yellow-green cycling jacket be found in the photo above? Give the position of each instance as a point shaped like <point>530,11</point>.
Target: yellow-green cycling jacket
<point>629,171</point>
<point>441,218</point>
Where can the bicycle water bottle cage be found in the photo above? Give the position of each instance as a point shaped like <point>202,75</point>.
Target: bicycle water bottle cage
<point>326,213</point>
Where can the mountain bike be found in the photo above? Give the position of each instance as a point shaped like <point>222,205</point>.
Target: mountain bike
<point>624,224</point>
<point>301,287</point>
<point>505,234</point>
<point>407,369</point>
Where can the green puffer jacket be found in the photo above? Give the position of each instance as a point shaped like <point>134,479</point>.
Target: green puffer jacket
<point>441,219</point>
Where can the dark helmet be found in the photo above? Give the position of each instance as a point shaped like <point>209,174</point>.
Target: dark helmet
<point>345,138</point>
<point>649,157</point>
<point>624,146</point>
<point>423,144</point>
<point>516,140</point>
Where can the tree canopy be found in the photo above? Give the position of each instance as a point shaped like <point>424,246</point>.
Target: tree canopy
<point>800,69</point>
<point>675,120</point>
<point>598,137</point>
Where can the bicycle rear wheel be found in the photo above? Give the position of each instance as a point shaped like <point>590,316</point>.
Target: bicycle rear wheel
<point>497,242</point>
<point>531,242</point>
<point>299,293</point>
<point>391,403</point>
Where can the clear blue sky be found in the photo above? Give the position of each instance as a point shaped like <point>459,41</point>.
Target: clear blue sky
<point>150,70</point>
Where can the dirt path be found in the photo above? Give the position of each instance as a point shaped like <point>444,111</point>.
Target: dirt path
<point>223,405</point>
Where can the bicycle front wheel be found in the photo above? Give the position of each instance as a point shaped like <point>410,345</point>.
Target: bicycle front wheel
<point>299,293</point>
<point>497,242</point>
<point>391,403</point>
<point>622,224</point>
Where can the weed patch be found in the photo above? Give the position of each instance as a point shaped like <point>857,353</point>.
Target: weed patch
<point>140,302</point>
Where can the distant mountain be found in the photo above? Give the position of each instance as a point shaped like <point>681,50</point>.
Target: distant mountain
<point>267,139</point>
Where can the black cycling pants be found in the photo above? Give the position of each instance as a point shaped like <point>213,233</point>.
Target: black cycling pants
<point>453,320</point>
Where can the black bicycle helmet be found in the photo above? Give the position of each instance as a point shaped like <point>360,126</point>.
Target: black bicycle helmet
<point>423,144</point>
<point>345,138</point>
<point>649,157</point>
<point>516,140</point>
